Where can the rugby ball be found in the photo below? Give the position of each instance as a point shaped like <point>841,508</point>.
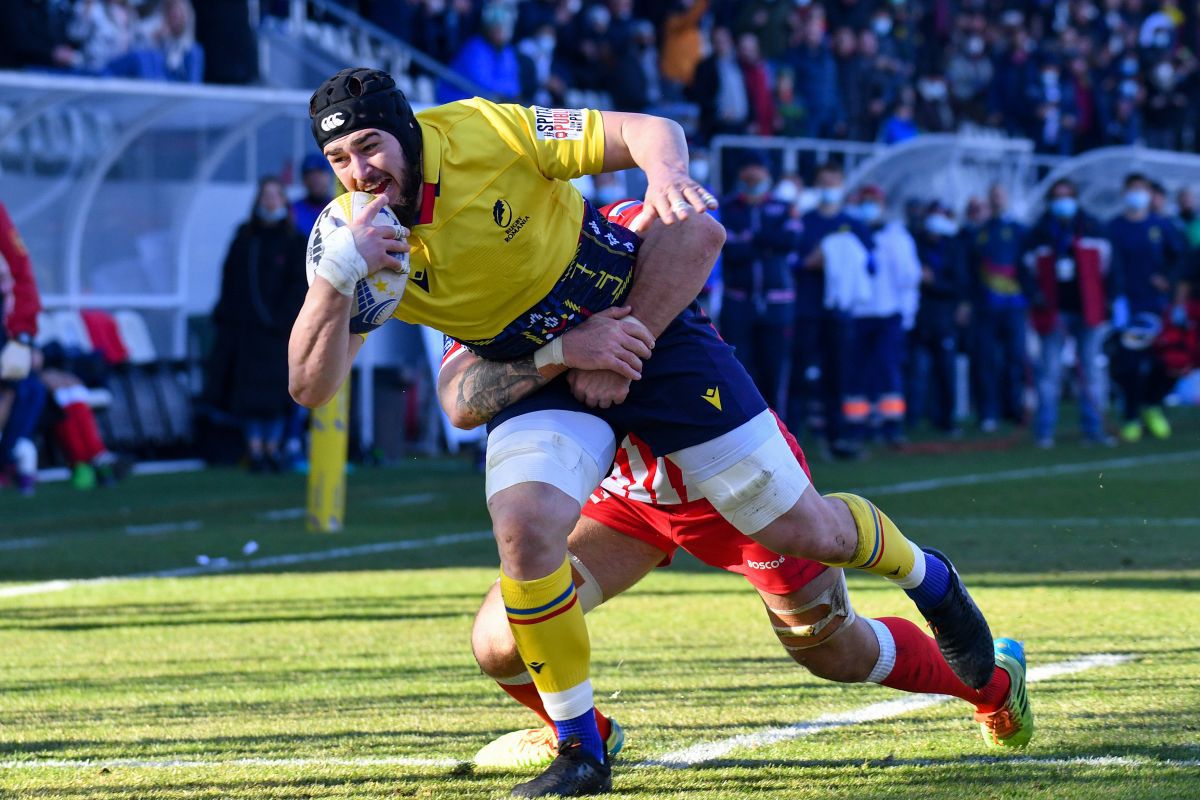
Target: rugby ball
<point>376,296</point>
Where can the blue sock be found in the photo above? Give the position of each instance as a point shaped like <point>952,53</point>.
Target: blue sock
<point>934,587</point>
<point>583,726</point>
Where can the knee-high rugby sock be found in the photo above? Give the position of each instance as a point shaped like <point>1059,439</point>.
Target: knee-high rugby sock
<point>884,551</point>
<point>521,689</point>
<point>547,623</point>
<point>909,660</point>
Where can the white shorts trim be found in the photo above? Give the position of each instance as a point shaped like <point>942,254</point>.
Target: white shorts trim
<point>702,461</point>
<point>569,450</point>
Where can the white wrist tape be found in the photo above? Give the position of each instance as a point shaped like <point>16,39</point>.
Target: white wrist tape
<point>341,264</point>
<point>549,354</point>
<point>16,360</point>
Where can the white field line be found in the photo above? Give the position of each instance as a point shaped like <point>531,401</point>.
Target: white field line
<point>402,761</point>
<point>700,753</point>
<point>1061,522</point>
<point>24,544</point>
<point>256,563</point>
<point>157,528</point>
<point>281,514</point>
<point>385,761</point>
<point>400,501</point>
<point>975,478</point>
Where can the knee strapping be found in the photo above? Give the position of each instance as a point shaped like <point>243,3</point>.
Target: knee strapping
<point>815,622</point>
<point>567,450</point>
<point>758,489</point>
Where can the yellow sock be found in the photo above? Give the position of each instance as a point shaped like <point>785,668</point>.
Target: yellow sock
<point>547,622</point>
<point>882,549</point>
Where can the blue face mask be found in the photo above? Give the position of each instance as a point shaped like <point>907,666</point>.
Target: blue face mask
<point>1137,199</point>
<point>870,211</point>
<point>832,195</point>
<point>1064,207</point>
<point>271,217</point>
<point>754,190</point>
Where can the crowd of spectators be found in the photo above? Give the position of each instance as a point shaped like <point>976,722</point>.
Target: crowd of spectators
<point>164,40</point>
<point>869,311</point>
<point>1069,75</point>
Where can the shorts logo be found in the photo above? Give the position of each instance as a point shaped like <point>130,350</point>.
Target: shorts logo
<point>713,396</point>
<point>332,121</point>
<point>502,213</point>
<point>558,123</point>
<point>776,564</point>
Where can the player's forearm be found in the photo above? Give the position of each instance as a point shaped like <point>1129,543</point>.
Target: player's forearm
<point>483,389</point>
<point>673,266</point>
<point>656,145</point>
<point>319,347</point>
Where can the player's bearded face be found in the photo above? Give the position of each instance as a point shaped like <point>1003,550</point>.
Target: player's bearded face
<point>372,161</point>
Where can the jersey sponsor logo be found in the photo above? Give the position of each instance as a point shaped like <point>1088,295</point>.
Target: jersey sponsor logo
<point>713,397</point>
<point>776,564</point>
<point>558,123</point>
<point>335,120</point>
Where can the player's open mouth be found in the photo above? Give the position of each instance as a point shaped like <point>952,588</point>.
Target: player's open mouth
<point>379,187</point>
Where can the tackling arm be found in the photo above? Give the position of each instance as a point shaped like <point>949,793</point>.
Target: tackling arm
<point>472,390</point>
<point>677,255</point>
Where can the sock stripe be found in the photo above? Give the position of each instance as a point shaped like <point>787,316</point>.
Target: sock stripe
<point>880,544</point>
<point>551,615</point>
<point>887,652</point>
<point>545,607</point>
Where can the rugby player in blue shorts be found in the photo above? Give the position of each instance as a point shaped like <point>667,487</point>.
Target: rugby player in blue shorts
<point>506,257</point>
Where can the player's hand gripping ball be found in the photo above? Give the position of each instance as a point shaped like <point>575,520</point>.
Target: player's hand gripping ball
<point>333,256</point>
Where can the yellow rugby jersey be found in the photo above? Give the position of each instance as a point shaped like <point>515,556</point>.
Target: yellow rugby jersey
<point>505,222</point>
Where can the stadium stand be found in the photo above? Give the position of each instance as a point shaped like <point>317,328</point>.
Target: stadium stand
<point>123,172</point>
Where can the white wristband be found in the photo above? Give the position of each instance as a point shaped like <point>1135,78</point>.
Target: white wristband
<point>341,264</point>
<point>549,354</point>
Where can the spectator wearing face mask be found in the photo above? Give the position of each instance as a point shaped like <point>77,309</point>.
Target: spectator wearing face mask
<point>544,82</point>
<point>935,344</point>
<point>1147,251</point>
<point>262,289</point>
<point>489,59</point>
<point>994,258</point>
<point>769,21</point>
<point>1053,101</point>
<point>933,112</point>
<point>816,72</point>
<point>1014,71</point>
<point>1065,264</point>
<point>720,89</point>
<point>969,74</point>
<point>821,344</point>
<point>875,389</point>
<point>759,296</point>
<point>1166,105</point>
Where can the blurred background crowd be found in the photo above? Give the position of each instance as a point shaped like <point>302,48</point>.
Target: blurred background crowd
<point>864,318</point>
<point>1069,75</point>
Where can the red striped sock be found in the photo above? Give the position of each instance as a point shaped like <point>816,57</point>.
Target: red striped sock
<point>527,695</point>
<point>919,667</point>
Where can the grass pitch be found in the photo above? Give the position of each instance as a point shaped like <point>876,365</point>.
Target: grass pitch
<point>338,665</point>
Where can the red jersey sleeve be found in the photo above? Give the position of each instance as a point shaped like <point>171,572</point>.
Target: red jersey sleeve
<point>26,301</point>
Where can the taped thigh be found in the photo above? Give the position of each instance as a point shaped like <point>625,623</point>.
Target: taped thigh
<point>569,450</point>
<point>815,622</point>
<point>759,488</point>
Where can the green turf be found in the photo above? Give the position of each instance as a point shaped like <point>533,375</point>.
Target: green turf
<point>331,664</point>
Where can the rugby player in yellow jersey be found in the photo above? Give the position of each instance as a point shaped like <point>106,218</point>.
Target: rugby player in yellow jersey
<point>505,257</point>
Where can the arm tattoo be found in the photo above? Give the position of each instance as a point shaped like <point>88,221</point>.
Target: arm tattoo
<point>488,387</point>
